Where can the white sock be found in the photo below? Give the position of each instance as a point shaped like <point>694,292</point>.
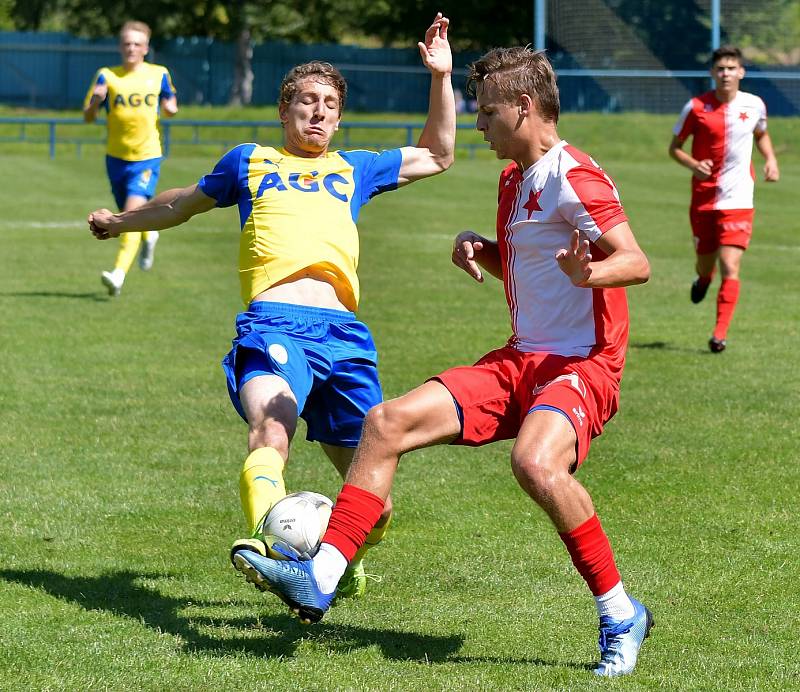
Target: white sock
<point>615,604</point>
<point>329,566</point>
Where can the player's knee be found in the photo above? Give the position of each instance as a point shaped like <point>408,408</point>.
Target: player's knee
<point>729,270</point>
<point>272,424</point>
<point>386,424</point>
<point>269,432</point>
<point>537,472</point>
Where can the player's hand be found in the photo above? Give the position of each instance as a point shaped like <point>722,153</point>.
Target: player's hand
<point>100,92</point>
<point>435,50</point>
<point>465,246</point>
<point>702,170</point>
<point>169,106</point>
<point>771,172</point>
<point>574,262</point>
<point>101,224</point>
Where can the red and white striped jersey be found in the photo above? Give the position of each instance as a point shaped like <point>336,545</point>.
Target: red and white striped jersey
<point>538,210</point>
<point>723,132</point>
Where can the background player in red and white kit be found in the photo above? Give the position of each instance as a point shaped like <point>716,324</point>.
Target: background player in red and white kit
<point>722,124</point>
<point>564,251</point>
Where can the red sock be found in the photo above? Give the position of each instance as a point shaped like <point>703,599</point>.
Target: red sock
<point>705,280</point>
<point>591,554</point>
<point>355,513</point>
<point>726,303</point>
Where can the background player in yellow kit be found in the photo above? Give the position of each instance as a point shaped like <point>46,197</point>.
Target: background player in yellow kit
<point>132,94</point>
<point>299,348</point>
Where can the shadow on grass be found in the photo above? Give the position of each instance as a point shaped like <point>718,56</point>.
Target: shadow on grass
<point>122,594</point>
<point>664,346</point>
<point>97,297</point>
<point>499,660</point>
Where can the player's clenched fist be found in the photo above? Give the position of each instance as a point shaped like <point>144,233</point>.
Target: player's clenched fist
<point>100,224</point>
<point>100,92</point>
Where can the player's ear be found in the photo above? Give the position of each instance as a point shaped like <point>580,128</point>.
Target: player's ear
<point>525,104</point>
<point>282,112</point>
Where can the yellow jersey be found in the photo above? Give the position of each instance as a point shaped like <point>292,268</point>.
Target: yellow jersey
<point>299,213</point>
<point>132,107</point>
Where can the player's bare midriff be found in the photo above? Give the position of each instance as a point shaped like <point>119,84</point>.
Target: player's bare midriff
<point>303,290</point>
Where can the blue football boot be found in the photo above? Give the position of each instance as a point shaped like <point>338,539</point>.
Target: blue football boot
<point>290,579</point>
<point>620,641</point>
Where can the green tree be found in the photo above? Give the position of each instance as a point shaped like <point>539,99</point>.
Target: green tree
<point>241,22</point>
<point>476,24</point>
<point>30,15</point>
<point>767,31</point>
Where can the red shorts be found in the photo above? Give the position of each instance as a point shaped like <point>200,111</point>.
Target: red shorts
<point>503,387</point>
<point>721,227</point>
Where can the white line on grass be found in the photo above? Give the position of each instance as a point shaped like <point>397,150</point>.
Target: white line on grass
<point>43,225</point>
<point>68,226</point>
<point>771,248</point>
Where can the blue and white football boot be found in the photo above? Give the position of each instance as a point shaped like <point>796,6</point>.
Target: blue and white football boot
<point>620,641</point>
<point>290,579</point>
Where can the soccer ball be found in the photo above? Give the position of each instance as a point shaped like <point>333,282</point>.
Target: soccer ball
<point>296,524</point>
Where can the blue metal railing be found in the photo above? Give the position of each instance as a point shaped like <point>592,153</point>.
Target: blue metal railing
<point>408,132</point>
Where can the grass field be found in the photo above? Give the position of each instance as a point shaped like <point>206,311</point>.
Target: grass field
<point>120,455</point>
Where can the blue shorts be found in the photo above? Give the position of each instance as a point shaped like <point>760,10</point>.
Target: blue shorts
<point>327,357</point>
<point>132,178</point>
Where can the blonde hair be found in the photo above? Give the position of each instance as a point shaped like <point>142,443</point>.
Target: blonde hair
<point>516,71</point>
<point>135,26</point>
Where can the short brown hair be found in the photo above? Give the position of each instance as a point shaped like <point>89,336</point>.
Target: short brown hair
<point>318,70</point>
<point>727,52</point>
<point>516,71</point>
<point>135,26</point>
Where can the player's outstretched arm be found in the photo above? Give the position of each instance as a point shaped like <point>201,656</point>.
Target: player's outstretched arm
<point>165,210</point>
<point>764,144</point>
<point>434,151</point>
<point>472,252</point>
<point>625,264</point>
<point>700,169</point>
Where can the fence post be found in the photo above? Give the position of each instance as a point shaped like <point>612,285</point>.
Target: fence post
<point>166,127</point>
<point>52,139</point>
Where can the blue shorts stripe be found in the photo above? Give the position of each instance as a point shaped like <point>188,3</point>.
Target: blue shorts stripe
<point>547,407</point>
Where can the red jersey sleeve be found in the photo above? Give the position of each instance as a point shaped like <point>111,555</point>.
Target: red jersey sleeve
<point>687,121</point>
<point>589,201</point>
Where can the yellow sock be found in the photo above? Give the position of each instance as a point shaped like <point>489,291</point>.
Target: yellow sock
<point>261,484</point>
<point>128,247</point>
<point>373,538</point>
